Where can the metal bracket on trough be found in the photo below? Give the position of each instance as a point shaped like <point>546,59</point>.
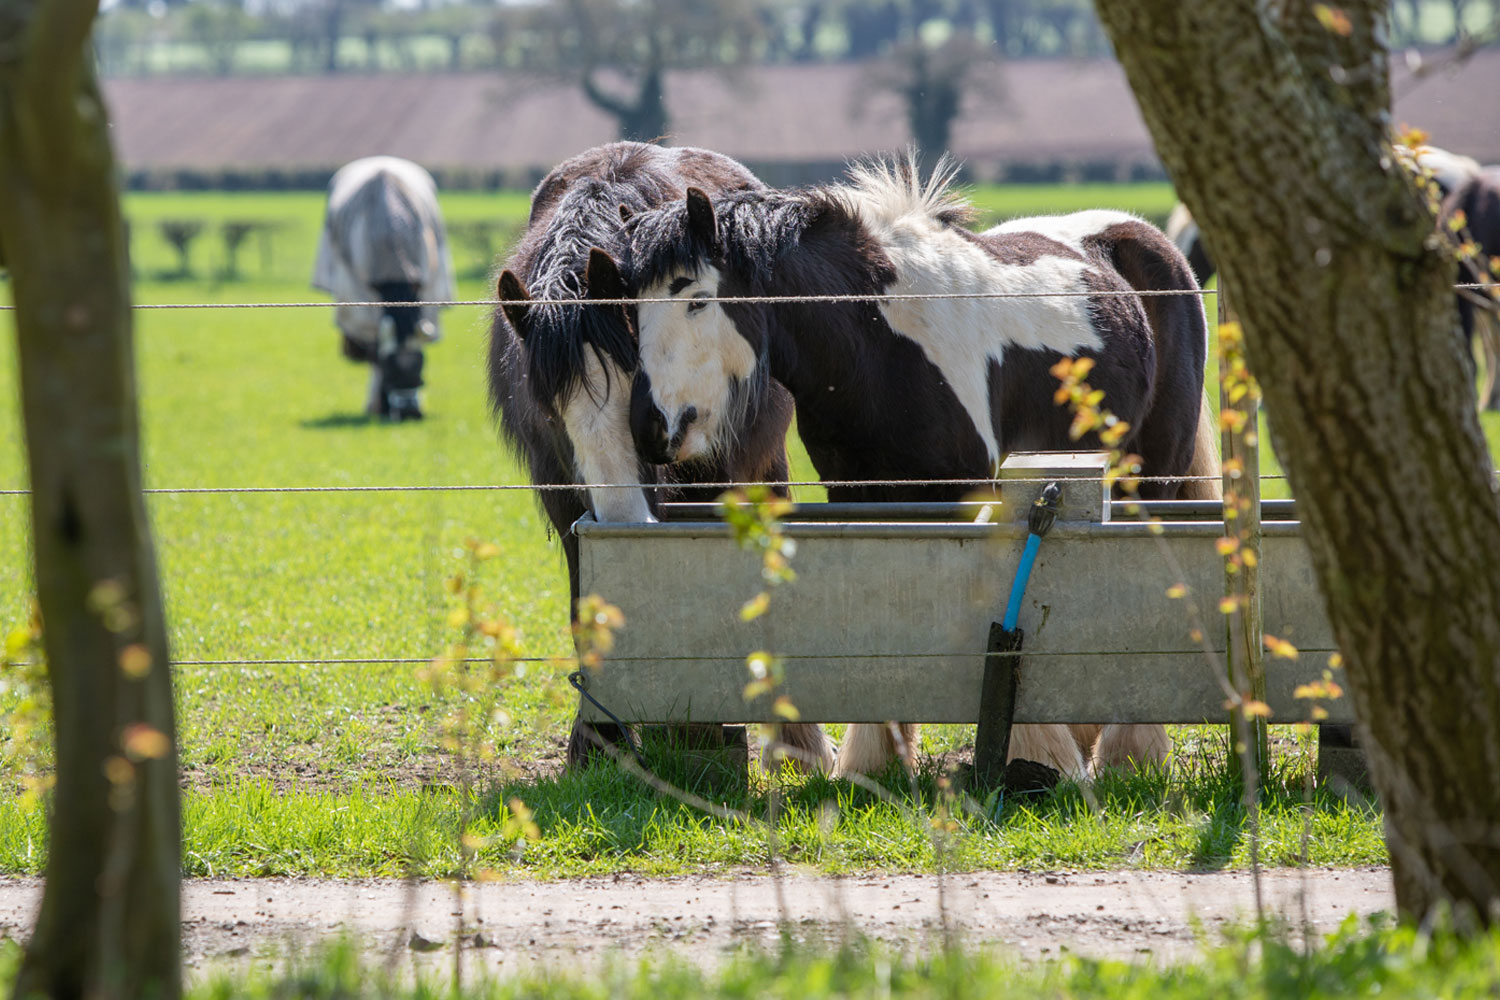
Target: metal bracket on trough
<point>1085,495</point>
<point>997,705</point>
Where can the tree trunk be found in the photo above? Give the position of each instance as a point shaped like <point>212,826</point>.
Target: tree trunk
<point>641,119</point>
<point>109,921</point>
<point>333,30</point>
<point>931,107</point>
<point>1272,125</point>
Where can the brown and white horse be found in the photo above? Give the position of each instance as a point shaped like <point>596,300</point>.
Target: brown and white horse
<point>560,375</point>
<point>912,389</point>
<point>1477,202</point>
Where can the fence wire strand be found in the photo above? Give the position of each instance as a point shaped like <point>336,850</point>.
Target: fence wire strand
<point>728,485</point>
<point>569,662</point>
<point>728,299</point>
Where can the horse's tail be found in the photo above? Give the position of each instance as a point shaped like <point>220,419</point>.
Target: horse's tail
<point>1183,231</point>
<point>1176,435</point>
<point>1205,476</point>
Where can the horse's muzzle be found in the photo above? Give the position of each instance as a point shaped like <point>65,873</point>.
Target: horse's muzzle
<point>648,424</point>
<point>652,439</point>
<point>664,441</point>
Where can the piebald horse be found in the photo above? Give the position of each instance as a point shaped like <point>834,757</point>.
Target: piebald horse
<point>911,389</point>
<point>1477,202</point>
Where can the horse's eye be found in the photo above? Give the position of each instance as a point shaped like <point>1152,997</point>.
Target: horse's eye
<point>697,302</point>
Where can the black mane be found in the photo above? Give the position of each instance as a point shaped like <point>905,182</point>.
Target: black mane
<point>754,230</point>
<point>574,209</point>
<point>587,216</point>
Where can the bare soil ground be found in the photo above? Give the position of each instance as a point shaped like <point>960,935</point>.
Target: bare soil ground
<point>565,924</point>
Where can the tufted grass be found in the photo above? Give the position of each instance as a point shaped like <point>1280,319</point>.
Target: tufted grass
<point>1366,958</point>
<point>604,821</point>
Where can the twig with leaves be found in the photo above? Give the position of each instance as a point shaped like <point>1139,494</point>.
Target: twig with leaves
<point>468,731</point>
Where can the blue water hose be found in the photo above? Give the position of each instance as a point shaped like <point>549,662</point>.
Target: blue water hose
<point>1018,587</point>
<point>1038,523</point>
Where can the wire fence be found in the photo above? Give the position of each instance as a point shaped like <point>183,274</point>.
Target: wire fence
<point>729,299</point>
<point>976,482</point>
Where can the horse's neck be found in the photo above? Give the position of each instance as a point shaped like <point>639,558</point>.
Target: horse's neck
<point>850,381</point>
<point>833,358</point>
<point>870,404</point>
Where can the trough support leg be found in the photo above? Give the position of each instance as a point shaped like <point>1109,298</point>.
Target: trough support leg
<point>1341,760</point>
<point>997,706</point>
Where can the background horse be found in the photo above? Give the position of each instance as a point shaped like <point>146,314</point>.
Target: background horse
<point>921,389</point>
<point>1463,186</point>
<point>383,240</point>
<point>560,375</point>
<point>1478,198</point>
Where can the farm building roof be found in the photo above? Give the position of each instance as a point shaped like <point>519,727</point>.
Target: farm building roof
<point>803,118</point>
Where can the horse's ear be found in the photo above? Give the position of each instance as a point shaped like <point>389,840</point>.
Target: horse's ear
<point>512,295</point>
<point>625,213</point>
<point>700,217</point>
<point>605,282</point>
<point>603,277</point>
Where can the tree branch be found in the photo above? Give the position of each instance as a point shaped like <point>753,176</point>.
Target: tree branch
<point>605,101</point>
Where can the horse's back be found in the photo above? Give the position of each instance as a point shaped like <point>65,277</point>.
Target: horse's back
<point>1129,254</point>
<point>662,172</point>
<point>356,173</point>
<point>382,226</point>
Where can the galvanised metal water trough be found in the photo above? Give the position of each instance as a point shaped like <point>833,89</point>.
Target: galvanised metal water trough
<point>890,614</point>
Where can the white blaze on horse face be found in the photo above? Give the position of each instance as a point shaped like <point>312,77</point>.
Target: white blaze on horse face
<point>961,336</point>
<point>597,418</point>
<point>692,353</point>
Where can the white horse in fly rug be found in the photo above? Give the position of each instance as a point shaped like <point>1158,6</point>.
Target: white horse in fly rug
<point>383,241</point>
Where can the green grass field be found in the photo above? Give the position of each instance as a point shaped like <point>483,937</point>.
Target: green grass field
<point>299,766</point>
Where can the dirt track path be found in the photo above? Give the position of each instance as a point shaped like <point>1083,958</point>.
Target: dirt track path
<point>1118,914</point>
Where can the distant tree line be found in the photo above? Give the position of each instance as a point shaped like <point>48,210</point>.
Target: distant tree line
<point>244,36</point>
<point>306,36</point>
<point>930,54</point>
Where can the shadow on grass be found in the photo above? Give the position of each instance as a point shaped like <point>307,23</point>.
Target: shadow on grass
<point>1190,815</point>
<point>339,421</point>
<point>344,421</point>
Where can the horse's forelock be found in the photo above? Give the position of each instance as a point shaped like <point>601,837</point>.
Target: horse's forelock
<point>560,335</point>
<point>753,229</point>
<point>658,245</point>
<point>559,341</point>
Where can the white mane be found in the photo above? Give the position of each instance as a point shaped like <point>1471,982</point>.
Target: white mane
<point>916,223</point>
<point>888,189</point>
